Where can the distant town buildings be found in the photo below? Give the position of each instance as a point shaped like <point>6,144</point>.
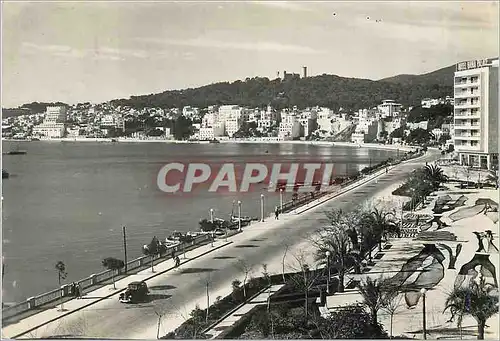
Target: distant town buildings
<point>389,108</point>
<point>53,125</point>
<point>430,102</point>
<point>476,113</point>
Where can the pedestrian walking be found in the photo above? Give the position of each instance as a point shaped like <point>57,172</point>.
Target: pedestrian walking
<point>77,291</point>
<point>276,212</point>
<point>177,261</point>
<point>386,170</point>
<point>73,289</point>
<point>173,254</point>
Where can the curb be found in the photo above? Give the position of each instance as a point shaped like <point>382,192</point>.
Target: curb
<point>118,291</point>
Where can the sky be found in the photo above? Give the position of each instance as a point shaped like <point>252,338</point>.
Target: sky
<point>97,51</point>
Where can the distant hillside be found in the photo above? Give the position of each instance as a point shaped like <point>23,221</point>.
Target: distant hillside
<point>325,90</point>
<point>27,109</point>
<point>441,76</point>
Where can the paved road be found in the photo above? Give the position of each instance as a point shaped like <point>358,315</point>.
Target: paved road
<point>110,319</point>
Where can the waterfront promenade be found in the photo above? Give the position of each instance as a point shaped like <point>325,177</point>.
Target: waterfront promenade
<point>175,293</point>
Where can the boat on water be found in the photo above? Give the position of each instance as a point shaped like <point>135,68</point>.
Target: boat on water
<point>17,152</point>
<point>5,174</point>
<point>244,220</point>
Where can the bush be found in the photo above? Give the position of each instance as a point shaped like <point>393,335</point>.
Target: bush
<point>353,322</point>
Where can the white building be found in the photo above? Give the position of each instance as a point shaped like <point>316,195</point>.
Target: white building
<point>232,126</point>
<point>53,125</point>
<point>389,108</point>
<point>358,138</point>
<point>415,125</point>
<point>476,113</point>
<point>113,120</point>
<point>430,102</point>
<point>206,133</point>
<point>290,127</point>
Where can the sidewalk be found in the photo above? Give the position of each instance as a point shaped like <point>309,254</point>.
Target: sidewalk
<point>33,322</point>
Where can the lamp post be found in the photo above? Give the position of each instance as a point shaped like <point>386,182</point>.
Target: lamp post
<point>262,207</point>
<point>328,268</point>
<point>239,215</point>
<point>423,291</point>
<point>211,215</point>
<point>281,200</point>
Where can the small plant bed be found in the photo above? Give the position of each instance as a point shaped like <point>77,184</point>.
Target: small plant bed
<point>197,322</point>
<point>287,322</point>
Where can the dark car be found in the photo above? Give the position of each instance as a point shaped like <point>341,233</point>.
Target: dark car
<point>136,292</point>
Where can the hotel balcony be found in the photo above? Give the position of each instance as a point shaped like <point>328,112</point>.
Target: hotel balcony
<point>467,105</point>
<point>467,115</point>
<point>468,83</point>
<point>467,94</point>
<point>467,126</point>
<point>468,137</point>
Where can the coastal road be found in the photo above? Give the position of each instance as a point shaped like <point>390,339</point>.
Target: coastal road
<point>172,291</point>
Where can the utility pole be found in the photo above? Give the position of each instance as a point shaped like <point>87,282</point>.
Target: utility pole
<point>125,246</point>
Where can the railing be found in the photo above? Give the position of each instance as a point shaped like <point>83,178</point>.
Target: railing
<point>94,279</point>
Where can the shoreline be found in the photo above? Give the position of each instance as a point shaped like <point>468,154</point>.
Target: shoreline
<point>403,148</point>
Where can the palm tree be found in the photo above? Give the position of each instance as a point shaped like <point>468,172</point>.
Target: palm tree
<point>113,264</point>
<point>152,249</point>
<point>372,292</point>
<point>479,300</point>
<point>382,223</point>
<point>61,274</point>
<point>435,174</point>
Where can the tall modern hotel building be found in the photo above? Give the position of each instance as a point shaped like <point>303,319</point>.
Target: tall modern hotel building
<point>476,113</point>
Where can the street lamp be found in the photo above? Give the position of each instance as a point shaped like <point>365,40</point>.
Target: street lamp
<point>239,215</point>
<point>281,200</point>
<point>262,207</point>
<point>423,292</point>
<point>328,267</point>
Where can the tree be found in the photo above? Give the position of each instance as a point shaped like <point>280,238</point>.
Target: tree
<point>381,223</point>
<point>335,239</point>
<point>372,292</point>
<point>61,274</point>
<point>443,138</point>
<point>435,175</point>
<point>286,245</point>
<point>182,128</point>
<point>479,300</point>
<point>351,322</point>
<point>246,268</point>
<point>418,137</point>
<point>152,249</point>
<point>398,133</point>
<point>113,264</point>
<point>391,302</point>
<point>305,279</point>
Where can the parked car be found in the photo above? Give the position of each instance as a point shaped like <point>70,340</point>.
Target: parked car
<point>136,292</point>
